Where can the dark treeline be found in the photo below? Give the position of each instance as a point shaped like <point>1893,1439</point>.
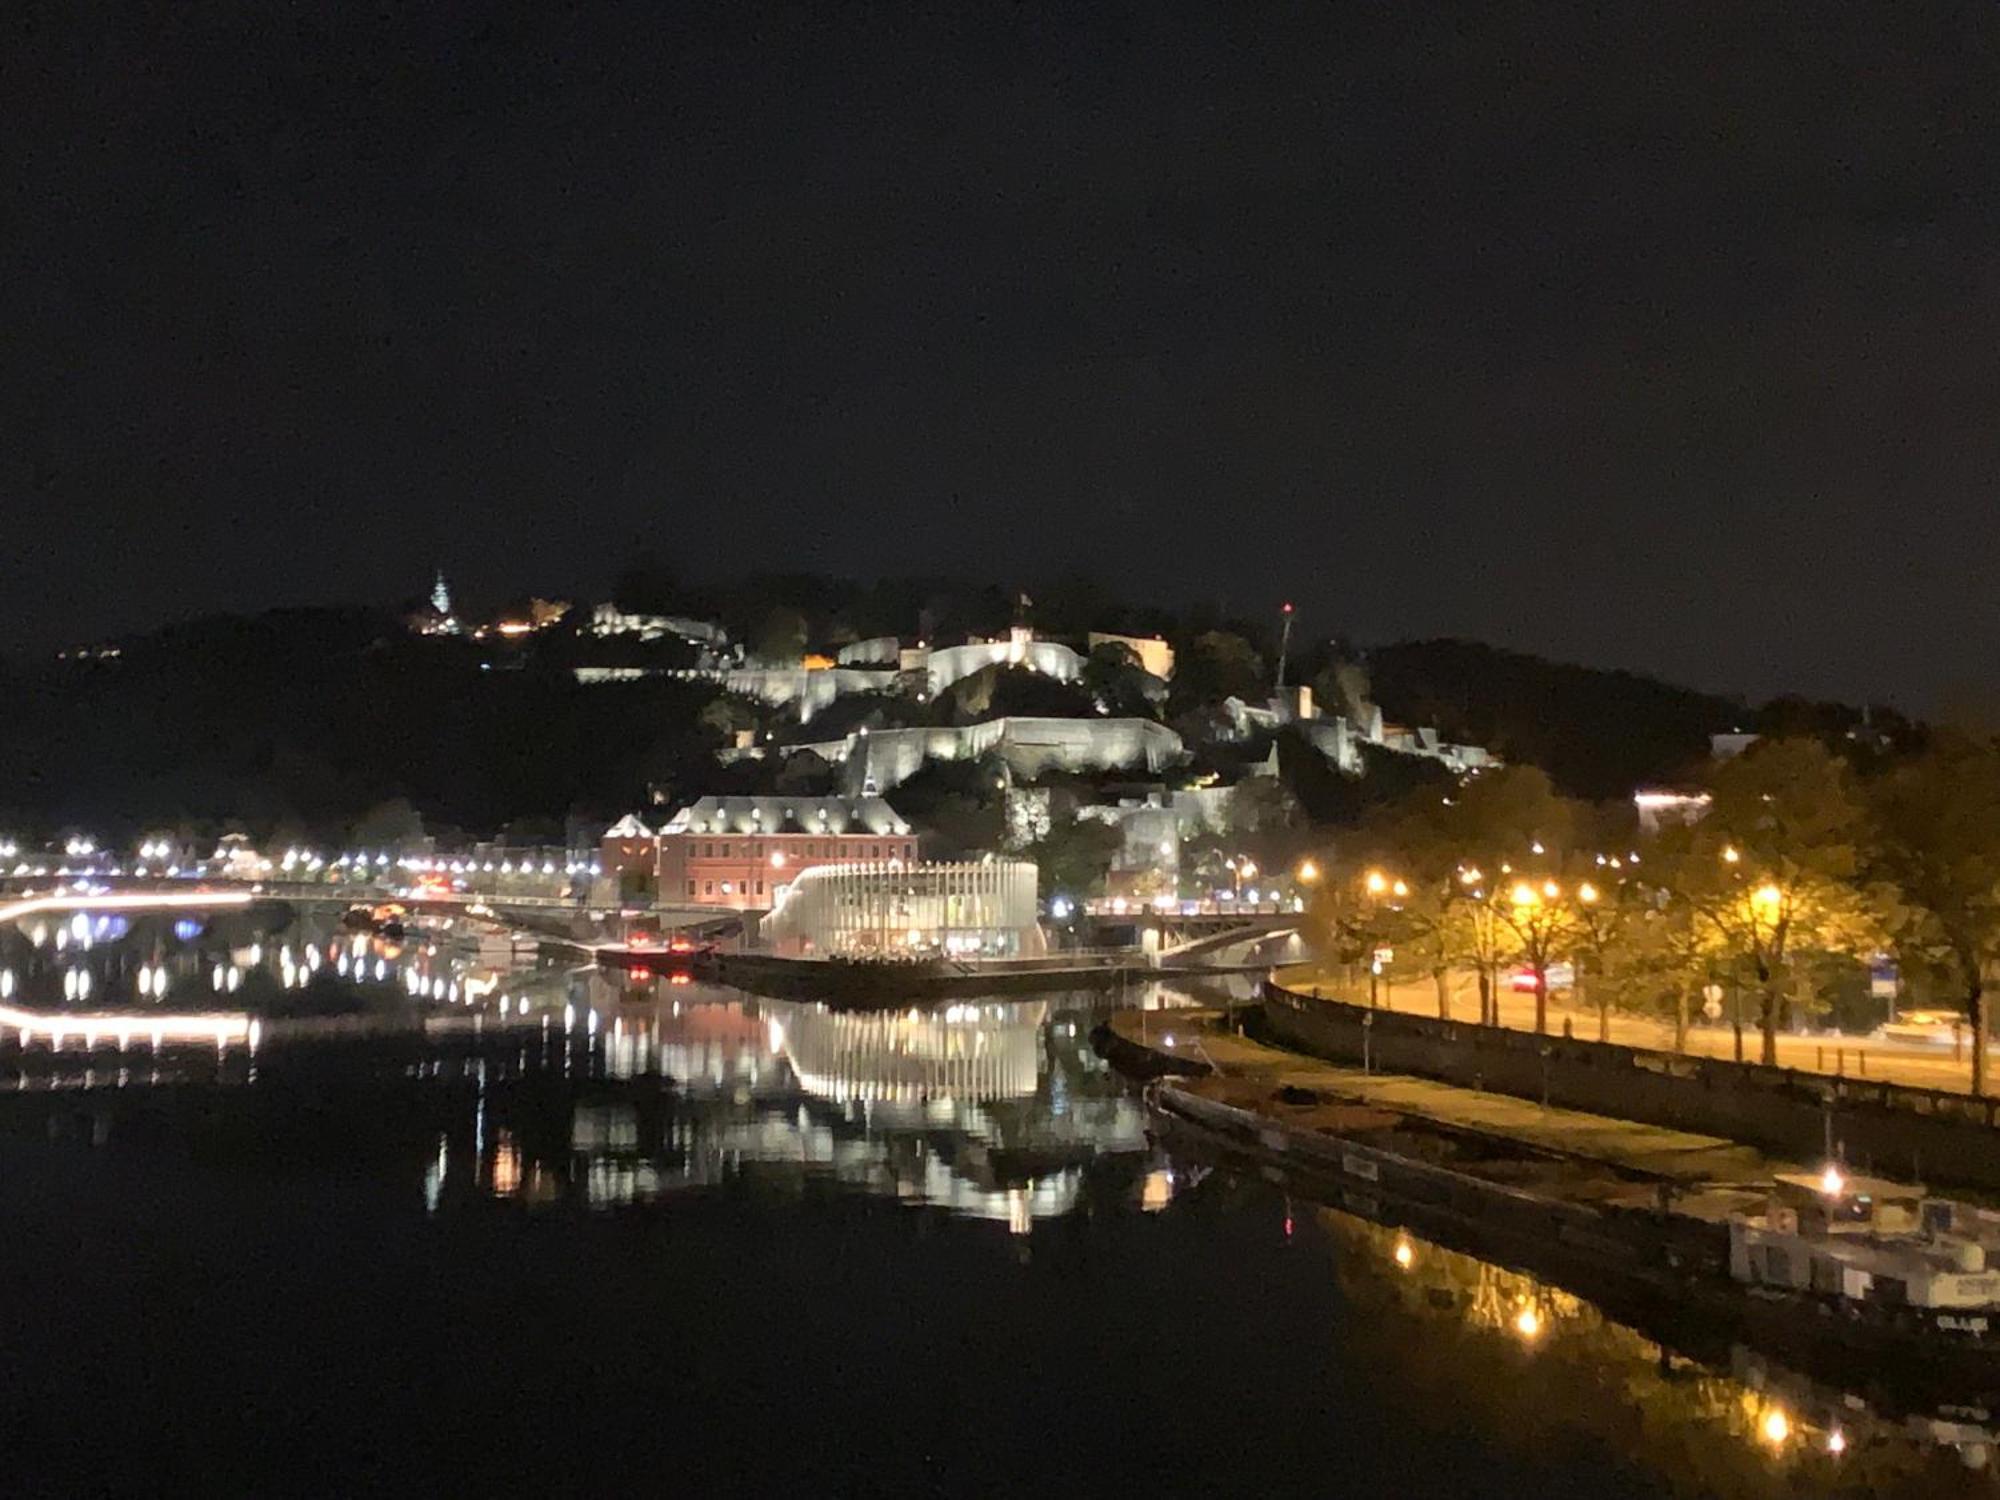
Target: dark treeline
<point>305,720</point>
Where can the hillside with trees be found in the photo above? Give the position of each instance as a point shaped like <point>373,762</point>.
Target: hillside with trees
<point>1597,733</point>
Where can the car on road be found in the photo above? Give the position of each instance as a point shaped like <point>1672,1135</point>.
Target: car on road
<point>1561,977</point>
<point>1936,1028</point>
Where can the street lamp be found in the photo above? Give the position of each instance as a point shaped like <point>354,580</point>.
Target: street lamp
<point>1378,885</point>
<point>1240,870</point>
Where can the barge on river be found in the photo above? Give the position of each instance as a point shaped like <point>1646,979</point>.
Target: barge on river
<point>1854,1278</point>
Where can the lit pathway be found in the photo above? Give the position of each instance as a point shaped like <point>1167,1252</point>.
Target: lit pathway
<point>1891,1062</point>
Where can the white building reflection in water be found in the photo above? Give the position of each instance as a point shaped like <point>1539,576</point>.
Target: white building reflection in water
<point>990,1110</point>
<point>973,1052</point>
<point>993,1109</point>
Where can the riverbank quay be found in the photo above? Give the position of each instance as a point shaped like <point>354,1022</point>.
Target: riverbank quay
<point>1633,1217</point>
<point>1218,1063</point>
<point>858,984</point>
<point>1888,1130</point>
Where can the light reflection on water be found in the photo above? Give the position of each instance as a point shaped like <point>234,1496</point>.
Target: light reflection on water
<point>543,1089</point>
<point>992,1110</point>
<point>1538,1365</point>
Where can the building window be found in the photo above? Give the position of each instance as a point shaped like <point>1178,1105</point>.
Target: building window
<point>760,887</point>
<point>725,851</point>
<point>690,887</point>
<point>708,851</point>
<point>708,888</point>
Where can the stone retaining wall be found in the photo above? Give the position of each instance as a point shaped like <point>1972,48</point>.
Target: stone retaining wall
<point>1896,1131</point>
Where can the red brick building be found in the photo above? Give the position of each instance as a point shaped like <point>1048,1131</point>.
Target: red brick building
<point>737,851</point>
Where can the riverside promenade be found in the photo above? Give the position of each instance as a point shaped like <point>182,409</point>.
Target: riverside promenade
<point>1938,1066</point>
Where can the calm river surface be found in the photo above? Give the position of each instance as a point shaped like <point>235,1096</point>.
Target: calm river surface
<point>547,1231</point>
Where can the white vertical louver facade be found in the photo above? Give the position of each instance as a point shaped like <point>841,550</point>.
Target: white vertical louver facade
<point>974,908</point>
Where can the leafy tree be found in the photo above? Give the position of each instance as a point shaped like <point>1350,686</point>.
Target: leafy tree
<point>1348,921</point>
<point>1075,856</point>
<point>1667,949</point>
<point>962,805</point>
<point>725,717</point>
<point>1938,820</point>
<point>1342,687</point>
<point>1113,677</point>
<point>1476,933</point>
<point>1262,822</point>
<point>1543,915</point>
<point>1597,733</point>
<point>780,637</point>
<point>1516,836</point>
<point>1218,664</point>
<point>1609,903</point>
<point>1414,867</point>
<point>1771,868</point>
<point>1501,815</point>
<point>1464,875</point>
<point>999,691</point>
<point>389,825</point>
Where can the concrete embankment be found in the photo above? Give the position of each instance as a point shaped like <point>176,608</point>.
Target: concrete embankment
<point>1891,1130</point>
<point>1545,1190</point>
<point>861,983</point>
<point>1249,1074</point>
<point>1632,1216</point>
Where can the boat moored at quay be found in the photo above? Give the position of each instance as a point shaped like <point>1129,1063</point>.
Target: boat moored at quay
<point>1875,1283</point>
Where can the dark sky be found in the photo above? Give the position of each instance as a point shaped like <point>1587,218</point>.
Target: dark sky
<point>1659,336</point>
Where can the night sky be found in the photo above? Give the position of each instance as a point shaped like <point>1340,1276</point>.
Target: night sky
<point>1665,337</point>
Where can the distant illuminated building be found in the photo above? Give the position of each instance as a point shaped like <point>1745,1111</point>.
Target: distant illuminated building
<point>984,907</point>
<point>739,851</point>
<point>436,616</point>
<point>1660,807</point>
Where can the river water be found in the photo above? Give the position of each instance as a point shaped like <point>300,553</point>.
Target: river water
<point>548,1230</point>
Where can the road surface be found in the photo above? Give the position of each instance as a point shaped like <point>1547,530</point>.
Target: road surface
<point>1932,1067</point>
